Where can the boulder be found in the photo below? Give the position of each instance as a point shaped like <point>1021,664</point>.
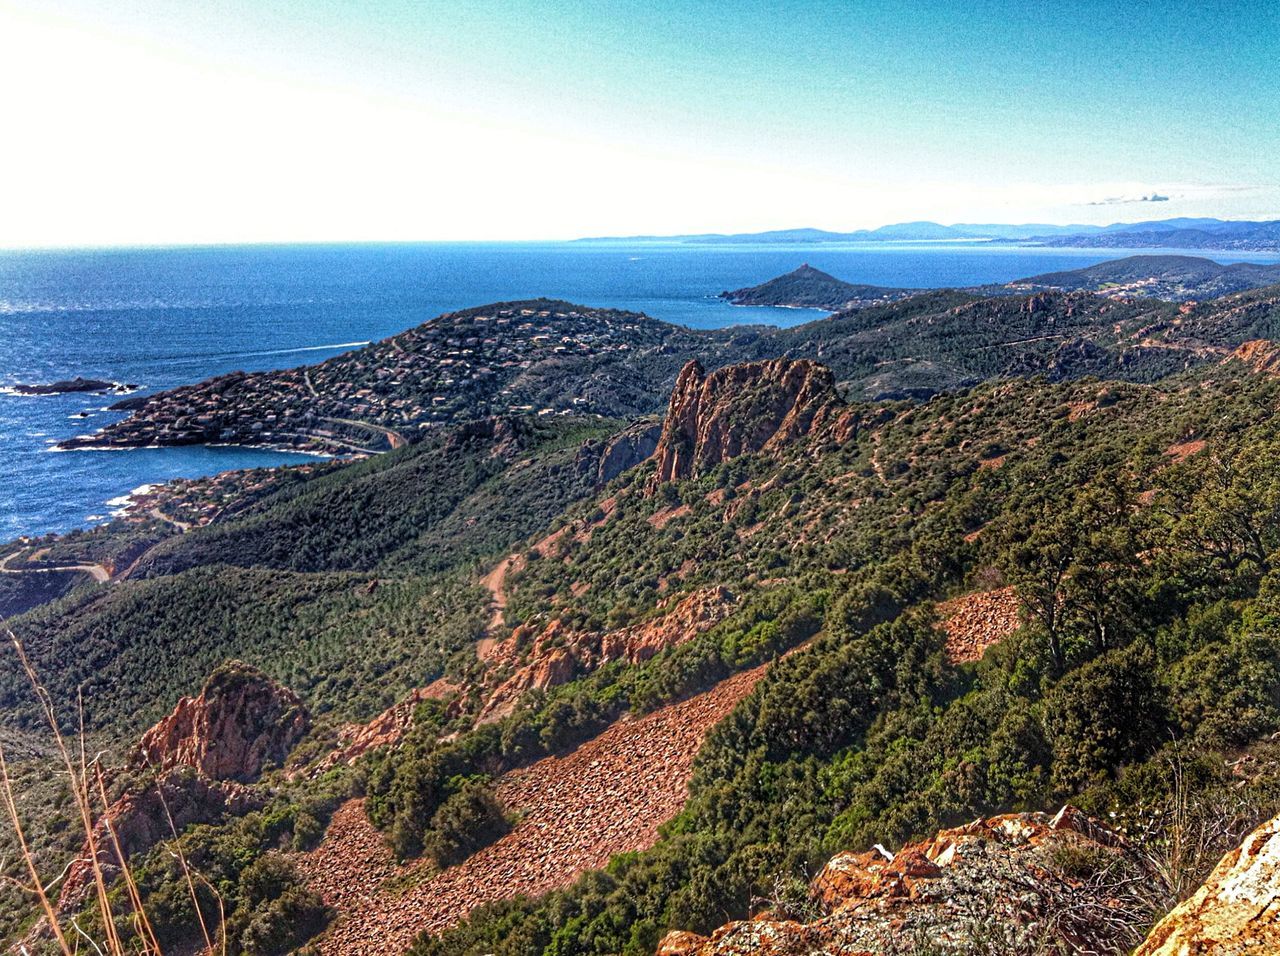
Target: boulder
<point>1236,911</point>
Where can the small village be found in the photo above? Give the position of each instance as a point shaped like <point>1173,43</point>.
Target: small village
<point>481,361</point>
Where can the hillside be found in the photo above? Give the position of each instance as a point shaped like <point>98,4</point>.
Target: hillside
<point>537,357</point>
<point>1162,277</point>
<point>1172,278</point>
<point>797,616</point>
<point>1213,234</point>
<point>810,288</point>
<point>557,359</point>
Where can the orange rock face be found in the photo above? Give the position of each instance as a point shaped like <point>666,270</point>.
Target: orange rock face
<point>991,881</point>
<point>240,721</point>
<point>743,409</point>
<point>204,752</point>
<point>1235,912</point>
<point>387,729</point>
<point>539,659</point>
<point>1261,355</point>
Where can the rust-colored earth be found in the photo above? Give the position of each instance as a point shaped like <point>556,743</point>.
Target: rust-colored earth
<point>575,812</point>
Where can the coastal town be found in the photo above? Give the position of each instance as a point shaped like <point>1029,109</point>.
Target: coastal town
<point>505,359</point>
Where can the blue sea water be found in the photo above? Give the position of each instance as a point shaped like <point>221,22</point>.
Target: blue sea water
<point>166,317</point>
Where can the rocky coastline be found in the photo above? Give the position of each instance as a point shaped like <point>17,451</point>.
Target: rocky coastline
<point>77,385</point>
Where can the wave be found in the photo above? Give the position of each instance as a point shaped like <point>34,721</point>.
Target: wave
<point>200,356</point>
<point>300,348</point>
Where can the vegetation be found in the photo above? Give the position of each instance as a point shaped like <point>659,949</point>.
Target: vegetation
<point>1138,521</point>
<point>870,736</point>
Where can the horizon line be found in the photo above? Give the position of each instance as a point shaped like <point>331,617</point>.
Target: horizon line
<point>621,236</point>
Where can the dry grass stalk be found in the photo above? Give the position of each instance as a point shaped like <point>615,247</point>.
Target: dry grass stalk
<point>189,877</point>
<point>82,793</point>
<point>37,888</point>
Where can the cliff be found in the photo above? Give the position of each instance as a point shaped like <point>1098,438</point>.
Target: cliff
<point>743,409</point>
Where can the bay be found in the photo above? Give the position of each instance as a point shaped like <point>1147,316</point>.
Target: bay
<point>166,317</point>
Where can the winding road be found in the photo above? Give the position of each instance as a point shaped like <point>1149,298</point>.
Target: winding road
<point>96,571</point>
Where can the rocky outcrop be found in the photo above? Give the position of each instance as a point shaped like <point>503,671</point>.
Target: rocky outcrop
<point>1260,355</point>
<point>203,753</point>
<point>385,730</point>
<point>535,658</point>
<point>742,409</point>
<point>141,818</point>
<point>77,384</point>
<point>1022,882</point>
<point>605,461</point>
<point>240,721</point>
<point>1236,911</point>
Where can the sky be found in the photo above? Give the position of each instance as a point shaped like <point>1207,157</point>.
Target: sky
<point>163,121</point>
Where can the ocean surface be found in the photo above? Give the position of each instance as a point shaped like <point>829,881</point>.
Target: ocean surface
<point>166,317</point>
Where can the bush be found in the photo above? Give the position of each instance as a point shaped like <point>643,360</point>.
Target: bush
<point>467,821</point>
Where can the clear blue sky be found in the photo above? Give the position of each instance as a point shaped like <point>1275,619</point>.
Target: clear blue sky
<point>228,120</point>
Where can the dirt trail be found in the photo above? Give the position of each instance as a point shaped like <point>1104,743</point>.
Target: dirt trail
<point>394,438</point>
<point>182,526</point>
<point>495,583</point>
<point>576,811</point>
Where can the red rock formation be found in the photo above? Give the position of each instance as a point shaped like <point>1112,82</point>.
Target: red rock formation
<point>998,881</point>
<point>1260,355</point>
<point>140,820</point>
<point>1235,912</point>
<point>387,729</point>
<point>240,721</point>
<point>743,409</point>
<point>204,751</point>
<point>536,659</point>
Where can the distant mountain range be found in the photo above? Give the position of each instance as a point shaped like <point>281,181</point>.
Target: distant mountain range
<point>1174,278</point>
<point>1182,233</point>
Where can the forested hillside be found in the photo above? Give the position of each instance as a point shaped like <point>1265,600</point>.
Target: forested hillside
<point>937,560</point>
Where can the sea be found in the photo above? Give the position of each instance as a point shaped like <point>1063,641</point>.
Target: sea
<point>162,317</point>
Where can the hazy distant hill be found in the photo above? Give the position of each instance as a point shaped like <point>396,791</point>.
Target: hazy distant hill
<point>1178,233</point>
<point>1209,234</point>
